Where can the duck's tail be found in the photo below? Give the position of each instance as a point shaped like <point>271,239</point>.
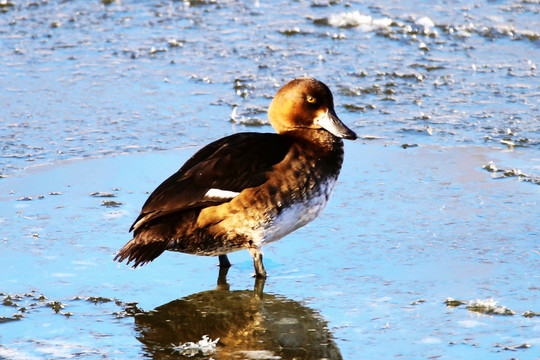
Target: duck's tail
<point>147,244</point>
<point>140,252</point>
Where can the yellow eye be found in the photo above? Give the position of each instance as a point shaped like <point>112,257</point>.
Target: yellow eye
<point>311,99</point>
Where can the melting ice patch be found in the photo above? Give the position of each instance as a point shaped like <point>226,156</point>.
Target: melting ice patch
<point>423,25</point>
<point>247,120</point>
<point>489,306</point>
<point>355,19</point>
<point>425,22</point>
<point>206,346</point>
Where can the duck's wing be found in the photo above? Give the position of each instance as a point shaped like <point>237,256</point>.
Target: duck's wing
<point>216,174</point>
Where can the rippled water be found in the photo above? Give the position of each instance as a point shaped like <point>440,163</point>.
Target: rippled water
<point>84,79</point>
<point>436,90</point>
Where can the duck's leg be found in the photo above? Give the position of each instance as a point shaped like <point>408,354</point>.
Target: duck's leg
<point>222,279</point>
<point>260,272</point>
<point>224,261</point>
<point>259,287</point>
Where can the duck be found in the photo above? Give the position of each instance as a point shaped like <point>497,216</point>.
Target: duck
<point>248,189</point>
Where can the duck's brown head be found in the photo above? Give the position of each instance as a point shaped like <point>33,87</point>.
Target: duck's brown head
<point>306,103</point>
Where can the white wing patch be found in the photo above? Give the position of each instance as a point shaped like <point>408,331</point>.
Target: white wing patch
<point>219,194</point>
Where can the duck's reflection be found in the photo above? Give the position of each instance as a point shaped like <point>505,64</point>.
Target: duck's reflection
<point>249,325</point>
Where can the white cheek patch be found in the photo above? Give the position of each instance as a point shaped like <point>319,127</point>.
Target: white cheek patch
<point>326,122</point>
<point>322,119</point>
<point>218,194</point>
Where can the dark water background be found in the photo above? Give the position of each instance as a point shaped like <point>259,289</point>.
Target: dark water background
<point>101,101</point>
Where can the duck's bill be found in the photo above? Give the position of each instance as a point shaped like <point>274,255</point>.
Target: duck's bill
<point>334,125</point>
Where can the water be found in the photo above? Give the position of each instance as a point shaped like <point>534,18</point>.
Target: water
<point>104,100</point>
